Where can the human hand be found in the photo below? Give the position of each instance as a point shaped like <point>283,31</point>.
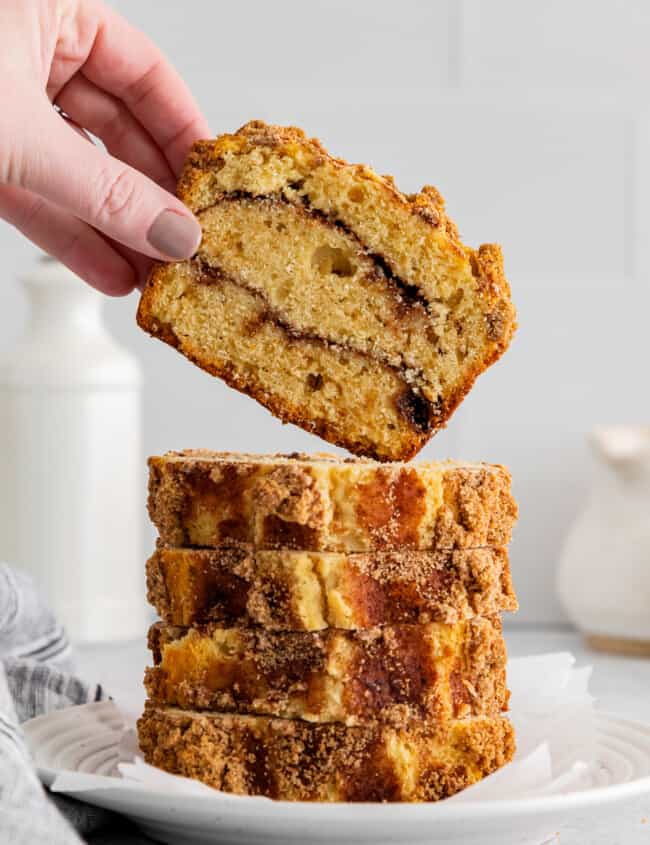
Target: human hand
<point>103,214</point>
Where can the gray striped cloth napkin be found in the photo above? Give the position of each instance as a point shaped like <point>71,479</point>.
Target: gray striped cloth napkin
<point>36,677</point>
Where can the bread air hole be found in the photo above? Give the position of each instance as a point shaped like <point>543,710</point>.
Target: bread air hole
<point>330,259</point>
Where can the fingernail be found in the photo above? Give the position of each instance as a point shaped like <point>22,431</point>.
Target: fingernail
<point>175,235</point>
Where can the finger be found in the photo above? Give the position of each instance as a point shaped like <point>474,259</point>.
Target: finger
<point>122,61</point>
<point>140,263</point>
<point>73,242</point>
<point>109,119</point>
<point>56,163</point>
<point>74,125</point>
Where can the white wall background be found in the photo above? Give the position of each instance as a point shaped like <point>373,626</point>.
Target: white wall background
<point>532,119</point>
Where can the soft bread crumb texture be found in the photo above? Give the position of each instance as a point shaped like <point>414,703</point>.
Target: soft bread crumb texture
<point>335,300</point>
<point>306,591</point>
<point>320,503</point>
<point>293,760</point>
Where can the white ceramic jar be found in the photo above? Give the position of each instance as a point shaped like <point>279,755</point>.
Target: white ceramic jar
<point>70,458</point>
<point>604,574</point>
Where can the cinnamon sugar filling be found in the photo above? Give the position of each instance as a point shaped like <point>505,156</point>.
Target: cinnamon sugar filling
<point>421,414</point>
<point>279,251</point>
<point>405,293</point>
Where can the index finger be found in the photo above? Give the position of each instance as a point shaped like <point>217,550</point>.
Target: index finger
<point>124,62</point>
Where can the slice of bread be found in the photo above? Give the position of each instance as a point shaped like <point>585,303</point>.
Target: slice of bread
<point>306,591</point>
<point>292,760</point>
<point>324,503</point>
<point>336,301</point>
<point>395,673</point>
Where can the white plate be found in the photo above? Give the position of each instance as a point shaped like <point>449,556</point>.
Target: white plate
<point>86,739</point>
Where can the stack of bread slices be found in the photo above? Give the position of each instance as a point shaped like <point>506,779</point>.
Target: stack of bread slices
<point>331,628</point>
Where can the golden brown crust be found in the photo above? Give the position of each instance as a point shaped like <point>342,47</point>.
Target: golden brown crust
<point>395,673</point>
<point>297,761</point>
<point>197,188</point>
<point>208,499</point>
<point>302,591</point>
<point>427,203</point>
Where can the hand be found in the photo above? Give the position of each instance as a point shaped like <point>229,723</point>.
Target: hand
<point>103,214</point>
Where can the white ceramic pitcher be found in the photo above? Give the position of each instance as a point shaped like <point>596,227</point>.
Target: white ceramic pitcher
<point>71,485</point>
<point>604,574</point>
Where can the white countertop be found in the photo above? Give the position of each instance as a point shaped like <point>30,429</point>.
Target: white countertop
<point>621,685</point>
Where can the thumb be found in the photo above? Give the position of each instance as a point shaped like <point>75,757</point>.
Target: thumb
<point>118,200</point>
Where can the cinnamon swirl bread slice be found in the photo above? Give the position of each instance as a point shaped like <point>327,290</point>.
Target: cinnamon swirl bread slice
<point>323,503</point>
<point>292,760</point>
<point>308,591</point>
<point>336,301</point>
<point>394,673</point>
